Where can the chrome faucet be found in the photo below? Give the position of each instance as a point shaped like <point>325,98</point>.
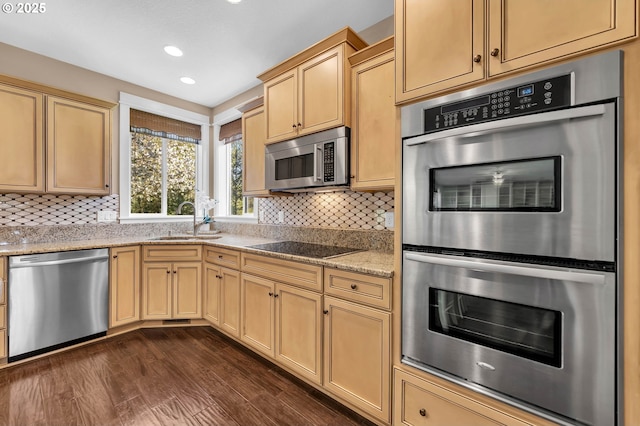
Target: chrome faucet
<point>196,226</point>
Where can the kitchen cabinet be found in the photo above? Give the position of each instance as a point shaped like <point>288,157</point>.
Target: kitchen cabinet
<point>3,308</point>
<point>357,355</point>
<point>374,118</point>
<point>222,287</point>
<point>171,289</point>
<point>59,142</point>
<point>78,147</point>
<point>359,288</point>
<point>419,402</point>
<point>21,140</point>
<point>443,46</point>
<point>284,271</point>
<point>310,91</point>
<point>124,286</point>
<point>253,138</point>
<point>283,322</point>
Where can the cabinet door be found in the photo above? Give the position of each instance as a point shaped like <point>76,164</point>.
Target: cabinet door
<point>211,296</point>
<point>281,103</point>
<point>187,290</point>
<point>124,286</point>
<point>253,138</point>
<point>373,135</point>
<point>21,140</point>
<point>157,291</point>
<point>230,301</point>
<point>3,279</point>
<point>524,33</point>
<point>357,364</point>
<point>321,91</point>
<point>257,313</point>
<point>78,147</point>
<point>436,43</point>
<point>299,331</point>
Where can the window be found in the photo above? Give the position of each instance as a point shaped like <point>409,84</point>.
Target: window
<point>229,154</point>
<point>163,160</point>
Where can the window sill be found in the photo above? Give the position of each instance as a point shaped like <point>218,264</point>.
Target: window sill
<point>236,219</point>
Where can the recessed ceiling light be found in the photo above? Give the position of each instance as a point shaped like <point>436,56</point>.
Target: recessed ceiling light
<point>234,1</point>
<point>187,80</point>
<point>173,51</point>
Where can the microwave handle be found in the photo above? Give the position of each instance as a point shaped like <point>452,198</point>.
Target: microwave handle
<point>318,162</point>
<point>509,123</point>
<point>504,268</point>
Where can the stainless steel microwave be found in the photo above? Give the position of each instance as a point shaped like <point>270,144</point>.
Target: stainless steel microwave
<point>316,161</point>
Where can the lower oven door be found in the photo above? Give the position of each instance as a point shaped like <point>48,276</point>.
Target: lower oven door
<point>542,335</point>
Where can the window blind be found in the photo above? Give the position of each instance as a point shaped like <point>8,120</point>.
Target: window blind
<point>164,127</point>
<point>231,131</point>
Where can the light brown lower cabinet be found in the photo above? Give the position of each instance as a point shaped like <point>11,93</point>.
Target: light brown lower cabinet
<point>357,353</point>
<point>230,301</point>
<point>211,293</point>
<point>283,322</point>
<point>418,402</point>
<point>124,286</point>
<point>171,290</point>
<point>3,313</point>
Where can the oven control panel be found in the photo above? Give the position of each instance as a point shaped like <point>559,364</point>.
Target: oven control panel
<point>329,162</point>
<point>527,98</point>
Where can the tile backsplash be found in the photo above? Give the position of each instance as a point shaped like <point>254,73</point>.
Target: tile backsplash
<point>49,209</point>
<point>348,210</point>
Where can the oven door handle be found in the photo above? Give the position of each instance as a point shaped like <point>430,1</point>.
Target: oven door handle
<point>504,268</point>
<point>509,124</point>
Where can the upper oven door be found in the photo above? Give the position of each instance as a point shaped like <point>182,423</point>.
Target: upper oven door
<point>541,184</point>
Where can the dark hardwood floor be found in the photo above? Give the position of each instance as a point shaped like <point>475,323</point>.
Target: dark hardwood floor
<point>168,376</point>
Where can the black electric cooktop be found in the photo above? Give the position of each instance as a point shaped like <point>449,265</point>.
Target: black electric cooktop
<point>319,251</point>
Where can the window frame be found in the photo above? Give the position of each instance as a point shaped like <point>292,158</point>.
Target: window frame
<point>128,101</point>
<point>221,173</point>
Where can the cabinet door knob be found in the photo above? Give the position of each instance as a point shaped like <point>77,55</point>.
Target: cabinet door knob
<point>495,52</point>
<point>168,271</point>
<point>326,312</point>
<point>270,294</point>
<point>423,412</point>
<point>175,272</point>
<point>219,276</point>
<point>276,295</point>
<point>353,286</point>
<point>294,126</point>
<point>299,125</point>
<point>477,58</point>
<point>115,256</point>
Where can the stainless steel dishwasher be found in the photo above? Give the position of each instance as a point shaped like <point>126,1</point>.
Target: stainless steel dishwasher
<point>56,300</point>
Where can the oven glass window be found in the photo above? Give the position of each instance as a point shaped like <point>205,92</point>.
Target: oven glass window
<point>294,167</point>
<point>522,330</point>
<point>523,185</point>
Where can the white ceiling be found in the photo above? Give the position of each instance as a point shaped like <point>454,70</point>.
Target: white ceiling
<point>225,45</point>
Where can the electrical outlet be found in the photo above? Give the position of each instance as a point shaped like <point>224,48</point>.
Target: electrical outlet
<point>106,216</point>
<point>389,220</point>
<point>281,217</point>
<point>261,216</point>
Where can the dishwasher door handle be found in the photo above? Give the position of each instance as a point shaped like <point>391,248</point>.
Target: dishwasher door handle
<point>30,264</point>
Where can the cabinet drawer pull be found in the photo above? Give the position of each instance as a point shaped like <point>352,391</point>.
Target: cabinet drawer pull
<point>477,59</point>
<point>353,286</point>
<point>423,412</point>
<point>495,52</point>
<point>220,256</point>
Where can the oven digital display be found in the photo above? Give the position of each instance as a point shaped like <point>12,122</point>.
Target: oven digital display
<point>525,90</point>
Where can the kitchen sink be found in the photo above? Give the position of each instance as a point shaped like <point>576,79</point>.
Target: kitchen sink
<point>187,237</point>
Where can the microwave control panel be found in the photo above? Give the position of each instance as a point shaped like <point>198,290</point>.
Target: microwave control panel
<point>527,98</point>
<point>329,161</point>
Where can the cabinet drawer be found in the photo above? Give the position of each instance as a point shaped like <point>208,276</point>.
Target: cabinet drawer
<point>361,288</point>
<point>172,252</point>
<point>3,320</point>
<point>420,402</point>
<point>222,257</point>
<point>284,271</point>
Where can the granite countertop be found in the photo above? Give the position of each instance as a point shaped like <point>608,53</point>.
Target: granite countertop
<point>368,262</point>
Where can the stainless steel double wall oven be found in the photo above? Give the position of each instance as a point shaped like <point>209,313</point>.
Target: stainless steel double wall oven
<point>511,217</point>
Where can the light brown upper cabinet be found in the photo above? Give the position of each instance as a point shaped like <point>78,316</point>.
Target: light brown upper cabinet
<point>73,130</point>
<point>441,45</point>
<point>21,140</point>
<point>78,147</point>
<point>310,91</point>
<point>374,118</point>
<point>253,137</point>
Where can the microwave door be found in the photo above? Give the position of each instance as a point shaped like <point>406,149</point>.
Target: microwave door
<point>292,168</point>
